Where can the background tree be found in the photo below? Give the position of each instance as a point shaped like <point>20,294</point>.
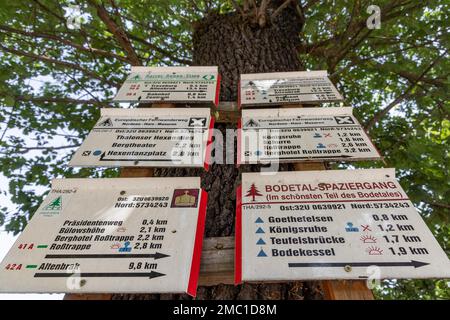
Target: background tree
<point>59,64</point>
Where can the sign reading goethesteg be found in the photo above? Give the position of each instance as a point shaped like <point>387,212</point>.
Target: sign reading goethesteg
<point>336,224</point>
<point>303,134</point>
<point>171,84</point>
<point>147,137</point>
<point>286,87</point>
<point>111,235</point>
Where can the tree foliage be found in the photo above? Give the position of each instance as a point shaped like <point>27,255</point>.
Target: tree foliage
<point>54,77</point>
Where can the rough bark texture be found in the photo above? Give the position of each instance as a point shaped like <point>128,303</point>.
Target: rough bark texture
<point>237,46</point>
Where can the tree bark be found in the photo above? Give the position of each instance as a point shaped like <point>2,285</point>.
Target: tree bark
<point>237,45</point>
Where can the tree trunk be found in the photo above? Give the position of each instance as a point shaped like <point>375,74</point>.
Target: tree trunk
<point>237,45</point>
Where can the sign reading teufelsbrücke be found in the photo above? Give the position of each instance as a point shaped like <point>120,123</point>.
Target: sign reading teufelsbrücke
<point>352,224</point>
<point>111,235</point>
<point>286,87</point>
<point>154,137</point>
<point>171,84</point>
<point>303,134</point>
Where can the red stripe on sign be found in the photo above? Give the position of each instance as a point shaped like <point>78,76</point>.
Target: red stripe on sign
<point>216,100</point>
<point>195,265</point>
<point>238,238</point>
<point>239,93</point>
<point>239,146</point>
<point>209,144</point>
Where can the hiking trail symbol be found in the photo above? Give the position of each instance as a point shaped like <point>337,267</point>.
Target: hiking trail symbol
<point>252,123</point>
<point>55,205</point>
<point>253,192</point>
<point>262,253</point>
<point>261,241</point>
<point>106,123</point>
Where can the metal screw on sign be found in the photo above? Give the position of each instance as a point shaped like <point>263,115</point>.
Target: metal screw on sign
<point>348,268</point>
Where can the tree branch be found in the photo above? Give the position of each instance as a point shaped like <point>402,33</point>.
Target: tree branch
<point>118,32</point>
<point>56,100</point>
<point>166,53</point>
<point>377,117</point>
<point>63,64</point>
<point>77,46</point>
<point>280,9</point>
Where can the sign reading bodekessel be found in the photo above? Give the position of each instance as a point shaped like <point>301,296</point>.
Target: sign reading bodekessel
<point>336,224</point>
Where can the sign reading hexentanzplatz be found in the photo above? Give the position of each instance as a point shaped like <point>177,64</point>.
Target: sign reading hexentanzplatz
<point>147,137</point>
<point>352,224</point>
<point>111,235</point>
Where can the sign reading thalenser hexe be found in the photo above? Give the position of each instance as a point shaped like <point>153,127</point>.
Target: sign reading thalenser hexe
<point>111,235</point>
<point>286,87</point>
<point>303,134</point>
<point>171,84</point>
<point>351,224</point>
<point>147,137</point>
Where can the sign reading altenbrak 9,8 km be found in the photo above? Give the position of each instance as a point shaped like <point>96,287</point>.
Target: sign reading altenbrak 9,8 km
<point>111,235</point>
<point>335,224</point>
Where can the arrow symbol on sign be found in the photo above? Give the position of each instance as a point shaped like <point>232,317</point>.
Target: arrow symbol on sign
<point>412,263</point>
<point>151,275</point>
<point>102,158</point>
<point>156,256</point>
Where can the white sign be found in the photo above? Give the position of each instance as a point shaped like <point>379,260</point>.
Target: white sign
<point>340,224</point>
<point>147,137</point>
<point>303,134</point>
<point>286,87</point>
<point>171,84</point>
<point>131,235</point>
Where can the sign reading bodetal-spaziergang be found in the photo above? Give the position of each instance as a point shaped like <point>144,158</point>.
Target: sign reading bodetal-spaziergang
<point>111,235</point>
<point>256,89</point>
<point>337,224</point>
<point>303,134</point>
<point>171,84</point>
<point>155,137</point>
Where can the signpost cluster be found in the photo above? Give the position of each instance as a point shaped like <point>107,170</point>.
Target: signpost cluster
<point>145,235</point>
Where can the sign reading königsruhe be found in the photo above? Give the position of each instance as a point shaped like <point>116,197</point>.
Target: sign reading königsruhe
<point>303,134</point>
<point>286,87</point>
<point>147,137</point>
<point>171,84</point>
<point>337,224</point>
<point>111,235</point>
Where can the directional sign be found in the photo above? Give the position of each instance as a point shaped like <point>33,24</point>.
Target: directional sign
<point>302,134</point>
<point>147,137</point>
<point>336,224</point>
<point>171,84</point>
<point>111,235</point>
<point>258,89</point>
